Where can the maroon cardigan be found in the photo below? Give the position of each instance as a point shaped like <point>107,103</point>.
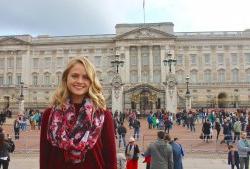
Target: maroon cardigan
<point>101,156</point>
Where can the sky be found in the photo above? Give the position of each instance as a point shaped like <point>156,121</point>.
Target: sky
<point>89,17</point>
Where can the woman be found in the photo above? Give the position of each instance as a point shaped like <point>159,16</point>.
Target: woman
<point>77,131</point>
<point>4,152</point>
<point>132,154</point>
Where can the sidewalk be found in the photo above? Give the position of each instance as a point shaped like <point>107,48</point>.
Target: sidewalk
<point>31,161</point>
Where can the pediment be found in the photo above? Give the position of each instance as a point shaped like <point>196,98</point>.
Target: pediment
<point>145,33</point>
<point>6,41</point>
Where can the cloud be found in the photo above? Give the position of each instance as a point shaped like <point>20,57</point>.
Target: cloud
<point>76,17</point>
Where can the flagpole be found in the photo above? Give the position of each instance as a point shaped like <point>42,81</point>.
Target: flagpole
<point>144,11</point>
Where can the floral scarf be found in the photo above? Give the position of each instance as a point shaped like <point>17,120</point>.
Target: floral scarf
<point>73,133</point>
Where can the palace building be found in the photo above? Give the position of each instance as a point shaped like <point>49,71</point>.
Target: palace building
<point>218,64</point>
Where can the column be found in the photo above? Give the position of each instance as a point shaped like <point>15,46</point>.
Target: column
<point>139,63</point>
<point>151,64</point>
<point>163,68</point>
<point>127,64</point>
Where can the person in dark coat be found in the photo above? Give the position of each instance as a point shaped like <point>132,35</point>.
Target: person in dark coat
<point>206,130</point>
<point>177,154</point>
<point>233,157</point>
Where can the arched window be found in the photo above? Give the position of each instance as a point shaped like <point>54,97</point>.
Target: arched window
<point>47,78</point>
<point>248,75</point>
<point>35,79</point>
<point>133,77</point>
<point>221,75</point>
<point>194,76</point>
<point>9,79</point>
<point>207,76</point>
<point>235,75</point>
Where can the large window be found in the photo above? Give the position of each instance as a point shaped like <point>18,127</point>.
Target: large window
<point>207,76</point>
<point>133,56</point>
<point>247,58</point>
<point>234,59</point>
<point>235,75</point>
<point>47,78</point>
<point>9,79</point>
<point>59,62</point>
<point>221,75</point>
<point>193,58</point>
<point>157,55</point>
<point>1,80</point>
<point>207,59</point>
<point>194,76</point>
<point>98,61</point>
<point>2,63</point>
<point>133,77</point>
<point>10,63</point>
<point>35,79</point>
<point>220,58</point>
<point>157,76</point>
<point>35,63</point>
<point>145,76</point>
<point>19,62</point>
<point>145,56</point>
<point>47,62</point>
<point>18,79</point>
<point>248,75</point>
<point>179,59</point>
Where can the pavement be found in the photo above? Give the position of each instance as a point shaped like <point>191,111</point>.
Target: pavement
<point>199,155</point>
<point>31,161</point>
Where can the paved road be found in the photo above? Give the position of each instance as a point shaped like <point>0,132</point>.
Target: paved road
<point>31,161</point>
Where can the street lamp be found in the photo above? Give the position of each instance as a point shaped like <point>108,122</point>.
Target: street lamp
<point>116,62</point>
<point>187,82</point>
<point>169,61</point>
<point>21,95</point>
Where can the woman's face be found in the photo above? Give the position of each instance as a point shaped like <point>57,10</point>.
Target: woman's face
<point>78,83</point>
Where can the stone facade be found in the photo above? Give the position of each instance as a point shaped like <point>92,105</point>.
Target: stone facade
<point>218,64</point>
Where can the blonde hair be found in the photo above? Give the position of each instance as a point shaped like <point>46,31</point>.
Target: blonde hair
<point>62,93</point>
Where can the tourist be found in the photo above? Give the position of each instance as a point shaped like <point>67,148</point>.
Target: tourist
<point>77,131</point>
<point>233,157</point>
<point>132,154</point>
<point>243,150</point>
<point>161,153</point>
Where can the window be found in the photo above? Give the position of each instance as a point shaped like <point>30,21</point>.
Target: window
<point>234,59</point>
<point>18,62</point>
<point>221,75</point>
<point>98,60</point>
<point>18,79</point>
<point>207,59</point>
<point>47,62</point>
<point>248,75</point>
<point>157,76</point>
<point>145,56</point>
<point>133,55</point>
<point>35,63</point>
<point>156,55</point>
<point>58,77</point>
<point>180,76</point>
<point>193,77</point>
<point>247,58</point>
<point>59,62</point>
<point>10,63</point>
<point>235,75</point>
<point>35,79</point>
<point>9,79</point>
<point>145,76</point>
<point>133,77</point>
<point>47,79</point>
<point>220,58</point>
<point>207,76</point>
<point>1,80</point>
<point>1,63</point>
<point>193,59</point>
<point>179,59</point>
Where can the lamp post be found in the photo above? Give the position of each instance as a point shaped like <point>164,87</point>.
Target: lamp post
<point>188,96</point>
<point>21,103</point>
<point>169,61</point>
<point>116,63</point>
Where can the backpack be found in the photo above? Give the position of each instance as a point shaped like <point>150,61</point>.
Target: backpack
<point>12,146</point>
